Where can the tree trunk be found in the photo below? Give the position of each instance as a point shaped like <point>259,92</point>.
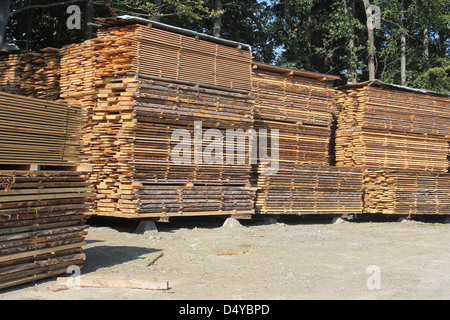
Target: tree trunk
<point>353,78</point>
<point>308,43</point>
<point>30,24</point>
<point>5,9</point>
<point>61,24</point>
<point>217,20</point>
<point>158,4</point>
<point>426,42</point>
<point>403,46</point>
<point>371,39</point>
<point>88,31</point>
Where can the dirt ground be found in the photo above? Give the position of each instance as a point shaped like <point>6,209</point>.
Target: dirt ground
<point>295,258</point>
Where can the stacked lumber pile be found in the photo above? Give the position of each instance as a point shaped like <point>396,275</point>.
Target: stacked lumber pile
<point>10,71</point>
<point>42,224</point>
<point>35,131</point>
<point>40,75</point>
<point>42,213</point>
<point>136,107</point>
<point>310,189</point>
<point>180,56</point>
<point>82,76</point>
<point>33,74</point>
<point>382,126</point>
<point>384,149</point>
<point>401,137</point>
<point>407,193</point>
<point>291,95</point>
<point>300,105</point>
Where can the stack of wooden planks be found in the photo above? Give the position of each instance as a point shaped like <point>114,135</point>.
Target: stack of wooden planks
<point>310,189</point>
<point>33,74</point>
<point>406,192</point>
<point>290,95</point>
<point>401,137</point>
<point>36,131</point>
<point>136,111</point>
<point>300,105</point>
<point>42,224</point>
<point>178,200</point>
<point>10,71</point>
<point>82,76</point>
<point>385,149</point>
<point>181,55</point>
<point>43,198</point>
<point>383,126</point>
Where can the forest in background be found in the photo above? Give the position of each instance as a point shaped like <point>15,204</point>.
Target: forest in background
<point>409,46</point>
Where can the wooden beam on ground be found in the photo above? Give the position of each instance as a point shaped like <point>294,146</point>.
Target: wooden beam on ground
<point>115,283</point>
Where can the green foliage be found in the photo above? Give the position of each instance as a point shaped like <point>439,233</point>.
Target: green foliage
<point>305,34</point>
<point>436,78</point>
<point>248,21</point>
<point>427,62</point>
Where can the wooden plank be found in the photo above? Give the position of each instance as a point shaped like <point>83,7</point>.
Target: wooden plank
<point>21,255</point>
<point>115,283</point>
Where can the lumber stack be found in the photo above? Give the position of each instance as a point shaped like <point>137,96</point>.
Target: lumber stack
<point>406,192</point>
<point>300,105</point>
<point>10,70</point>
<point>400,136</point>
<point>382,126</point>
<point>136,107</point>
<point>179,56</point>
<point>290,95</point>
<point>40,75</point>
<point>42,224</point>
<point>310,189</point>
<point>35,131</point>
<point>77,70</point>
<point>179,200</point>
<point>43,198</point>
<point>33,74</point>
<point>384,149</point>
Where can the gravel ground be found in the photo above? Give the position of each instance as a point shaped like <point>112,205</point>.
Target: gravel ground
<point>292,259</point>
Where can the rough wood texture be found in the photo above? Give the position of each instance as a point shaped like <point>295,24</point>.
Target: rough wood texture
<point>300,105</point>
<point>310,189</point>
<point>42,224</point>
<point>177,56</point>
<point>382,126</point>
<point>35,131</point>
<point>134,107</point>
<point>282,96</point>
<point>34,74</point>
<point>406,193</point>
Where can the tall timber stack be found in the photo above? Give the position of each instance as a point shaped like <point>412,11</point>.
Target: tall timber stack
<point>148,84</point>
<point>32,74</point>
<point>300,105</point>
<point>43,199</point>
<point>400,136</point>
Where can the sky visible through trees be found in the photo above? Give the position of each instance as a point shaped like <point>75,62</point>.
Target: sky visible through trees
<point>410,46</point>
